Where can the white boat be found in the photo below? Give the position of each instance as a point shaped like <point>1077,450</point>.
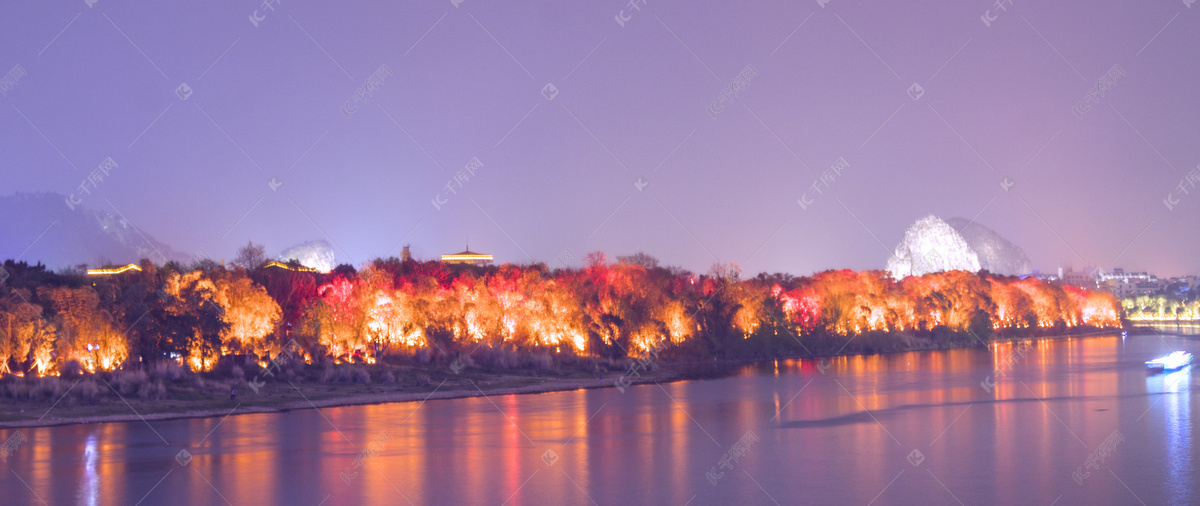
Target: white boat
<point>1170,362</point>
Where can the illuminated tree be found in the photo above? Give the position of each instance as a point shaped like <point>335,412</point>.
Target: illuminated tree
<point>193,319</point>
<point>85,331</point>
<point>26,338</point>
<point>250,314</point>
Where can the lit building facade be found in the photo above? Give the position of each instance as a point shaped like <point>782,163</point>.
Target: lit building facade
<point>467,257</point>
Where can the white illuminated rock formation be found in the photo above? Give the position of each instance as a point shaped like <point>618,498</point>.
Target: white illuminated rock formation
<point>931,245</point>
<point>318,255</point>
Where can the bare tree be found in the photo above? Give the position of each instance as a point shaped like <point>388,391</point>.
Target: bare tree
<point>251,256</point>
<point>730,271</point>
<point>640,259</point>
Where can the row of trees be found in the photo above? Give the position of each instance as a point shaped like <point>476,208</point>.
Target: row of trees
<point>51,323</point>
<point>1161,307</point>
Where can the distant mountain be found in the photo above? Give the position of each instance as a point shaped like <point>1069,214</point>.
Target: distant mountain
<point>996,254</point>
<point>40,227</point>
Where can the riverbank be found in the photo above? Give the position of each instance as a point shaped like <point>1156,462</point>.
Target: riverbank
<point>201,398</point>
<point>315,398</point>
<point>173,394</point>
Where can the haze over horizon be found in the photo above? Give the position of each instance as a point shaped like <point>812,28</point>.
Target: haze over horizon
<point>593,134</point>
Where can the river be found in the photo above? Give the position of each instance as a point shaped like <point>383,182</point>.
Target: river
<point>1052,421</point>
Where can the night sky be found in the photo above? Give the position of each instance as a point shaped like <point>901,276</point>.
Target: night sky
<point>630,148</point>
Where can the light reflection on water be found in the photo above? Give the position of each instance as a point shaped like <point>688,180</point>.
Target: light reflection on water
<point>1176,400</point>
<point>91,480</point>
<point>842,431</point>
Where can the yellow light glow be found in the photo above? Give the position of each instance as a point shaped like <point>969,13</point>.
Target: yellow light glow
<point>463,258</point>
<point>290,268</point>
<point>107,272</point>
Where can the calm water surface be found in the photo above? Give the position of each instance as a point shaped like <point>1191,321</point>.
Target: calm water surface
<point>912,428</point>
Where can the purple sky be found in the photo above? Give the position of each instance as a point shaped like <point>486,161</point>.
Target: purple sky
<point>561,174</point>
